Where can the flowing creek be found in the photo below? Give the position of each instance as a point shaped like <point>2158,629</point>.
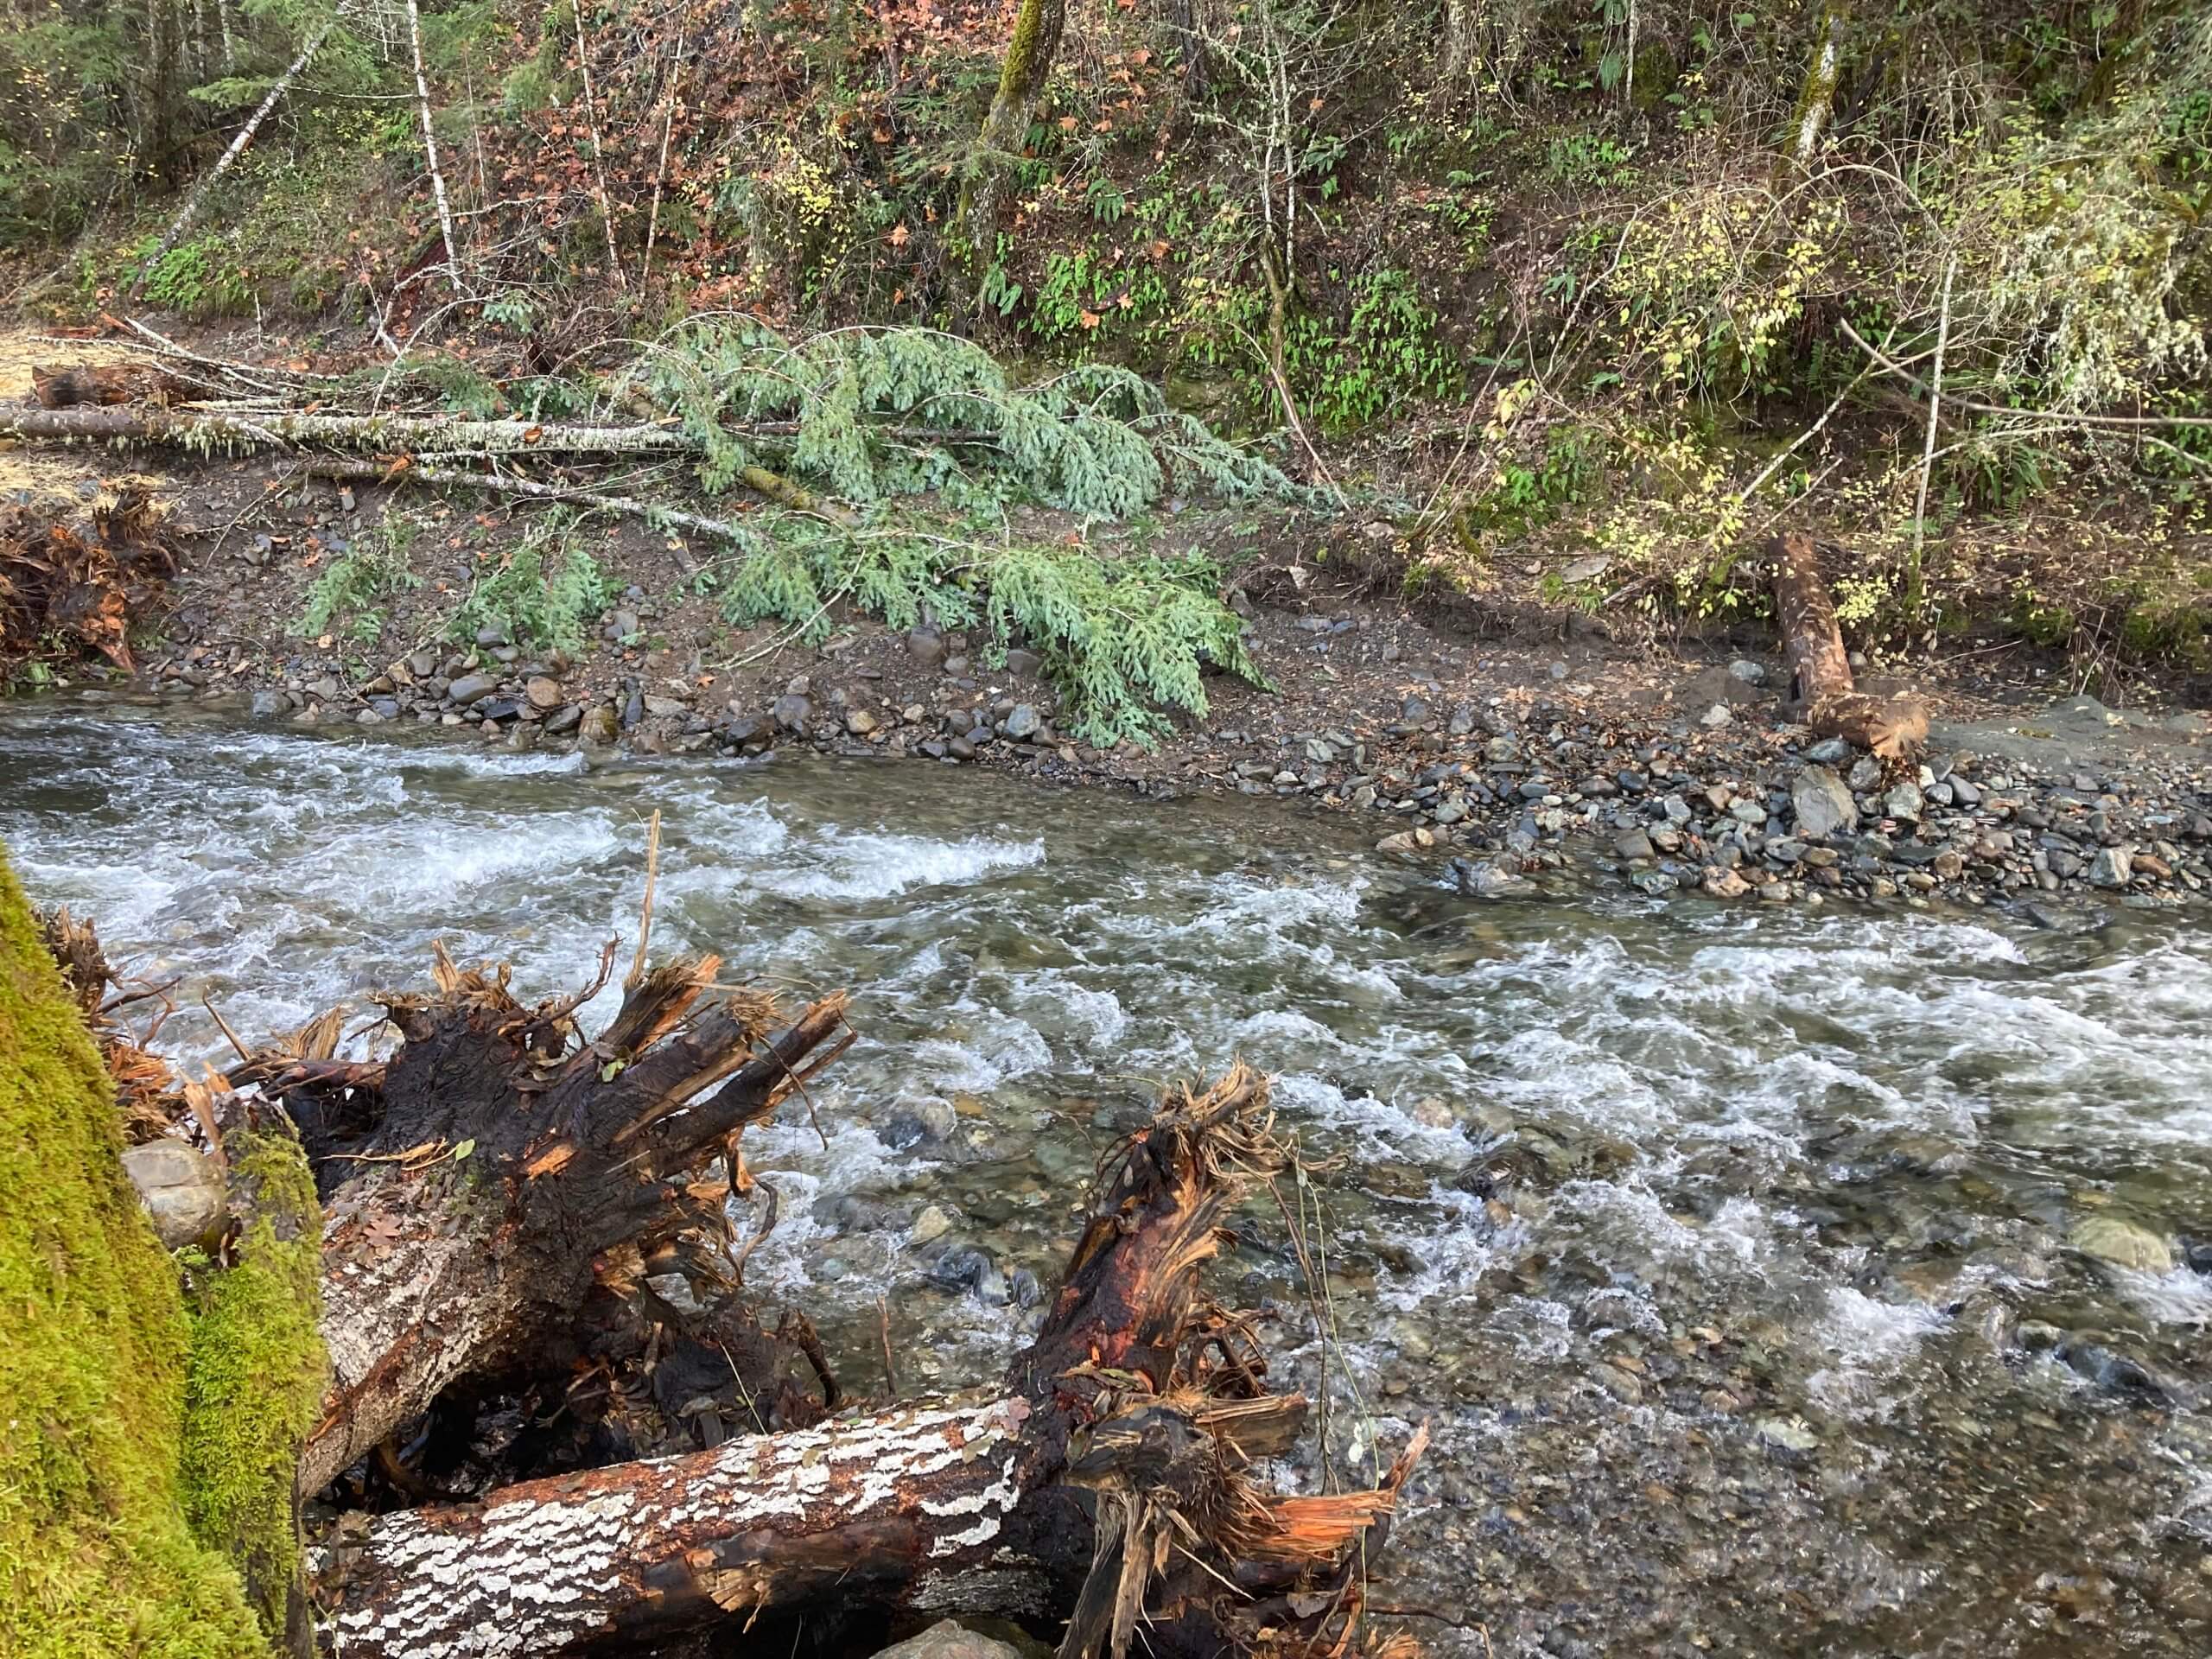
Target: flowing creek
<point>1762,1333</point>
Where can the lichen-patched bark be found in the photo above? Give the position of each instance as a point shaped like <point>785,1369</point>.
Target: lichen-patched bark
<point>908,1506</point>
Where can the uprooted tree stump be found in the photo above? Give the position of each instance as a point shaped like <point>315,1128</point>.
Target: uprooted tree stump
<point>1820,680</point>
<point>472,1182</point>
<point>1104,1480</point>
<point>491,1194</point>
<point>82,585</point>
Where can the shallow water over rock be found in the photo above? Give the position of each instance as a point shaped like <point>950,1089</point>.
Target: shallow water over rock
<point>1773,1283</point>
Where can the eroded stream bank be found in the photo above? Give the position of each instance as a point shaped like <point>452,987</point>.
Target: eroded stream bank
<point>1727,1250</point>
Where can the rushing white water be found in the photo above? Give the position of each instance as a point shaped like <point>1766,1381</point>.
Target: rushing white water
<point>1726,1353</point>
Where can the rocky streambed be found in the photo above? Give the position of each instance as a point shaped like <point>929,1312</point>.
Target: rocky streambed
<point>1772,1278</point>
<point>1713,791</point>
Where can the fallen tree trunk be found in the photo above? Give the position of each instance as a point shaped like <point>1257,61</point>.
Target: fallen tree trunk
<point>471,1181</point>
<point>1819,668</point>
<point>1133,1395</point>
<point>207,430</point>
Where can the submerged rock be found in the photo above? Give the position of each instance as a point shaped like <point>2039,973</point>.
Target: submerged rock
<point>2122,1244</point>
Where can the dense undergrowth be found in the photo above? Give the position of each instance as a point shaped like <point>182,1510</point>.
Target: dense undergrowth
<point>1554,279</point>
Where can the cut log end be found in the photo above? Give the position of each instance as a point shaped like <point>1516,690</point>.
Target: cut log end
<point>1893,728</point>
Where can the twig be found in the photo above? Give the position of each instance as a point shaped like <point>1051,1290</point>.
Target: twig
<point>637,973</point>
<point>223,1026</point>
<point>883,1334</point>
<point>660,171</point>
<point>1912,590</point>
<point>2117,422</point>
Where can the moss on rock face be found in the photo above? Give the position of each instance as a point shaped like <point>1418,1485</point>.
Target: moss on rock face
<point>97,1554</point>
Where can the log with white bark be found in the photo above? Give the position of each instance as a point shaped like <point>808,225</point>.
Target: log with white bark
<point>208,430</point>
<point>1119,1411</point>
<point>1819,667</point>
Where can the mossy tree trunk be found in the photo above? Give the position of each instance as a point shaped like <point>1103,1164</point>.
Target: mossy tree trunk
<point>119,1403</point>
<point>1029,54</point>
<point>1816,98</point>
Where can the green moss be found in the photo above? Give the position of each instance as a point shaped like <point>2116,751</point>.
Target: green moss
<point>96,1556</point>
<point>257,1379</point>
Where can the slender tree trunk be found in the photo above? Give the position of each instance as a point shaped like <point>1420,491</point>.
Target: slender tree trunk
<point>430,145</point>
<point>1914,584</point>
<point>1029,55</point>
<point>660,170</point>
<point>1817,97</point>
<point>597,147</point>
<point>194,202</point>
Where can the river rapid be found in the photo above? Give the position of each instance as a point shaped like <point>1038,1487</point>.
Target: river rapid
<point>1725,1250</point>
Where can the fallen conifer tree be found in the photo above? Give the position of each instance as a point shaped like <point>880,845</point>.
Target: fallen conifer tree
<point>885,469</point>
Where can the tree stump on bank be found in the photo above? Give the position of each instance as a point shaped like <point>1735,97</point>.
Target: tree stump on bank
<point>1821,681</point>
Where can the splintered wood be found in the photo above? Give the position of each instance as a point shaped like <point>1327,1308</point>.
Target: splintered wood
<point>1136,1394</point>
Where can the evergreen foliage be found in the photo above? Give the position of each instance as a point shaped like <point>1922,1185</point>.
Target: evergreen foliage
<point>870,413</point>
<point>351,590</point>
<point>545,593</point>
<point>879,417</point>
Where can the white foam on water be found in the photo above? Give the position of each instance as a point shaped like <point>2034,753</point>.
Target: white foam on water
<point>1060,1006</point>
<point>881,867</point>
<point>2181,1296</point>
<point>1869,1343</point>
<point>1305,1098</point>
<point>997,1049</point>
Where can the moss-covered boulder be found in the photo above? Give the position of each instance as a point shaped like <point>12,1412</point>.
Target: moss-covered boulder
<point>133,1435</point>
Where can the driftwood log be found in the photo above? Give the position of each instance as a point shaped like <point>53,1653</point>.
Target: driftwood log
<point>1106,1474</point>
<point>1819,667</point>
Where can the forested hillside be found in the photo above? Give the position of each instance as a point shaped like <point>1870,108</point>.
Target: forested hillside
<point>1630,278</point>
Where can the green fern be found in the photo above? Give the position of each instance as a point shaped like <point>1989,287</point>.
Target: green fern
<point>545,594</point>
<point>348,596</point>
